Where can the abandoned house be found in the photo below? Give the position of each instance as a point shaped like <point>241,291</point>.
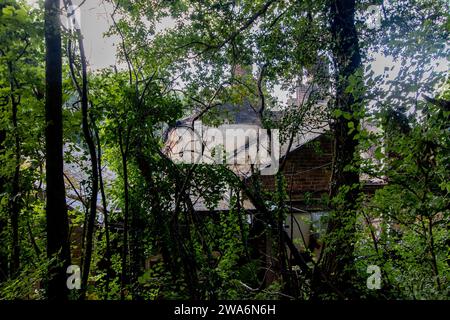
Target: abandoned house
<point>305,163</point>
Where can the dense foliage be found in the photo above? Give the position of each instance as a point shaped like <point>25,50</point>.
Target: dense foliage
<point>134,227</point>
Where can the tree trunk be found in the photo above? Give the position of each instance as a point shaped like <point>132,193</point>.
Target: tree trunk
<point>57,220</point>
<point>105,209</point>
<point>88,137</point>
<point>94,169</point>
<point>336,267</point>
<point>124,154</point>
<point>4,265</point>
<point>14,202</point>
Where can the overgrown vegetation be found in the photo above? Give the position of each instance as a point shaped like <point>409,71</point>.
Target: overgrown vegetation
<point>133,221</point>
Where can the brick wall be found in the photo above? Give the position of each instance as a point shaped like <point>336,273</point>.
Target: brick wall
<point>307,169</point>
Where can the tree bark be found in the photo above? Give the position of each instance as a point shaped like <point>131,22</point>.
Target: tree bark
<point>57,221</point>
<point>337,262</point>
<point>89,139</point>
<point>94,167</point>
<point>14,202</point>
<point>4,265</point>
<point>105,209</point>
<point>87,133</point>
<point>123,144</point>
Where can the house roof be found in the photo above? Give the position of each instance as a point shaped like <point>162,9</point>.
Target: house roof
<point>246,116</point>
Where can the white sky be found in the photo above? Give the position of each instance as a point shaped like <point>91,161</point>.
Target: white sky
<point>95,21</point>
<point>101,50</point>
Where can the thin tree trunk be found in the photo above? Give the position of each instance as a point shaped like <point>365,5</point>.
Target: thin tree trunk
<point>124,276</point>
<point>4,265</point>
<point>88,137</point>
<point>15,194</point>
<point>105,209</point>
<point>57,220</point>
<point>94,167</point>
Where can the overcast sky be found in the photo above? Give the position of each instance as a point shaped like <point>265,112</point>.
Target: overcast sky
<point>101,50</point>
